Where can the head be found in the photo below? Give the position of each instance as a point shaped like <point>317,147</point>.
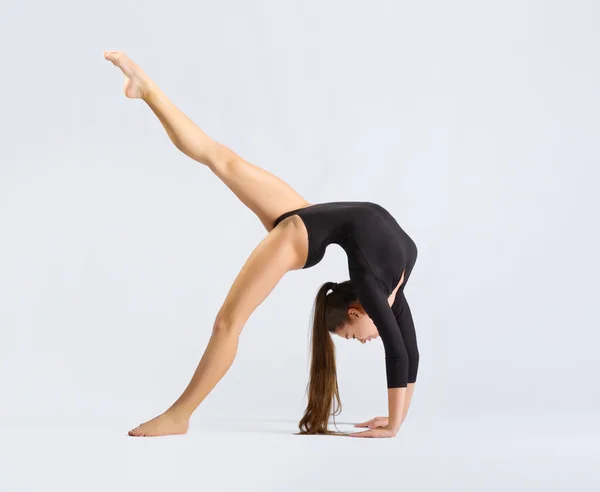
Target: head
<point>335,313</point>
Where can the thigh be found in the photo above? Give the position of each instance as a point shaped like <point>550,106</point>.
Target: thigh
<point>267,195</point>
<point>274,256</point>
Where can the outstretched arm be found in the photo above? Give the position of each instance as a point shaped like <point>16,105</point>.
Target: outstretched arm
<point>268,263</point>
<point>375,303</point>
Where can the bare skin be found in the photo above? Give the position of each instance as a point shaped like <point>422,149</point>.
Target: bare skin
<point>383,421</point>
<point>284,248</point>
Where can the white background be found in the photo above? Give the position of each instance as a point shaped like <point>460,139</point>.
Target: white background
<point>475,123</point>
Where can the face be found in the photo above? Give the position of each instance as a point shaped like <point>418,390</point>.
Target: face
<point>360,327</point>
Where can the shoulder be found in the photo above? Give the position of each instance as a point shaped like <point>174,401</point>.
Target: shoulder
<point>363,276</point>
<point>367,285</point>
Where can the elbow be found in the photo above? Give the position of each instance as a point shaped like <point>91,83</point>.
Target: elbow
<point>397,368</point>
<point>397,357</point>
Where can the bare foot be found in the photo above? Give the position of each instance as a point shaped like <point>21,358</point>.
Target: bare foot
<point>136,80</point>
<point>163,425</point>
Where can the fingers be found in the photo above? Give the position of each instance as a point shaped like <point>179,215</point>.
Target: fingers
<point>380,432</point>
<point>367,423</point>
<point>374,422</point>
<point>369,433</point>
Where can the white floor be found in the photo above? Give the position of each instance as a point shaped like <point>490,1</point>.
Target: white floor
<point>486,453</point>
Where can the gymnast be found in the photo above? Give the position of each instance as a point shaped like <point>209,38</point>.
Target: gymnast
<point>371,304</point>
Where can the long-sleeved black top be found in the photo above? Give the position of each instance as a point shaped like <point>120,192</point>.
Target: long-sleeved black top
<point>378,251</point>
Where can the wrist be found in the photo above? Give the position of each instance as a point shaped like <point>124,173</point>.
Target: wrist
<point>394,427</point>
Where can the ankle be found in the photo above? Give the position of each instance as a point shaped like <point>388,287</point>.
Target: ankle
<point>149,91</point>
<point>178,414</point>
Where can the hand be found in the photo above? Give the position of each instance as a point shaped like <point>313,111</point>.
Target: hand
<point>376,422</point>
<point>377,432</point>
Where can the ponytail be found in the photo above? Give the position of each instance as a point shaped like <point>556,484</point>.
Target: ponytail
<point>323,390</point>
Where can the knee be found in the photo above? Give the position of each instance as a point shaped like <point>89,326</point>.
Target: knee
<point>224,325</point>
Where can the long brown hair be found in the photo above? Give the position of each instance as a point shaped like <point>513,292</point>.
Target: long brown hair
<point>329,312</point>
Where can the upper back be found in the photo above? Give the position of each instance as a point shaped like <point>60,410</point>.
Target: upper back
<point>371,237</point>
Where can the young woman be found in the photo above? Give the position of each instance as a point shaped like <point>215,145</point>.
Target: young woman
<point>381,257</point>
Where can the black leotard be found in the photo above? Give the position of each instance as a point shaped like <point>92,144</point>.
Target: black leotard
<point>378,251</point>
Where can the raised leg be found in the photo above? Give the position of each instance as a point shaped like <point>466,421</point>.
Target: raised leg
<point>265,194</point>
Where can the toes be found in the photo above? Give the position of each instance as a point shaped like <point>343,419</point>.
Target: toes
<point>111,55</point>
<point>135,432</point>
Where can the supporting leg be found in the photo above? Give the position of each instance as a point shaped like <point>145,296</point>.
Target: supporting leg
<point>263,270</point>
